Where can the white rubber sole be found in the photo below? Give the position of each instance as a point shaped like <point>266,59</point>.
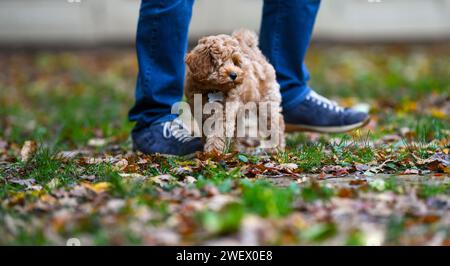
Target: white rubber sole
<point>342,129</point>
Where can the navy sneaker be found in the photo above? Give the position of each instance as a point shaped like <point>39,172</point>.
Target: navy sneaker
<point>317,113</point>
<point>171,138</point>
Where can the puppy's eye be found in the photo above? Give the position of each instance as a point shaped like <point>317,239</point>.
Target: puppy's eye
<point>236,60</point>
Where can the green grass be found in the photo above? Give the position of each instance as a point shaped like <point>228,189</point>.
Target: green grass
<point>227,220</point>
<point>428,191</point>
<point>267,200</point>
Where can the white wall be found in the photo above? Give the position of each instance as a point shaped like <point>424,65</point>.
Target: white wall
<point>92,21</point>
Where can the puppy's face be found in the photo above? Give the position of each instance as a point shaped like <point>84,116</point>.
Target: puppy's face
<point>216,61</point>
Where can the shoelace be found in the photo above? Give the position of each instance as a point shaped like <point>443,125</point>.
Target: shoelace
<point>322,101</point>
<point>177,129</point>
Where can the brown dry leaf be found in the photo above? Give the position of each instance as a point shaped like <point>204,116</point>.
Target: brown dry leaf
<point>410,172</point>
<point>345,193</point>
<point>211,190</point>
<point>430,218</point>
<point>121,165</point>
<point>358,182</point>
<point>48,199</point>
<point>336,170</point>
<point>361,167</point>
<point>70,155</point>
<point>439,161</point>
<point>161,179</point>
<point>91,160</point>
<point>391,138</point>
<point>28,150</point>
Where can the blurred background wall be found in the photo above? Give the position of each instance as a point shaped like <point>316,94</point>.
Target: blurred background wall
<point>85,22</point>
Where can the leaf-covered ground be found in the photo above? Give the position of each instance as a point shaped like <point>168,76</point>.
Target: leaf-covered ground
<point>67,169</point>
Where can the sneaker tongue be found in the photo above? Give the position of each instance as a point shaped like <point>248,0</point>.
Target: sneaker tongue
<point>319,97</point>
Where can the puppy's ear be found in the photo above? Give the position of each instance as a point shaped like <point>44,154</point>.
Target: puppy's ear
<point>199,62</point>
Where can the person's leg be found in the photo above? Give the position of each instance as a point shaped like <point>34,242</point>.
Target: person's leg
<point>161,44</point>
<point>286,31</point>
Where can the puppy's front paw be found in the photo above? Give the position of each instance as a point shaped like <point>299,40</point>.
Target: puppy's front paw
<point>214,146</point>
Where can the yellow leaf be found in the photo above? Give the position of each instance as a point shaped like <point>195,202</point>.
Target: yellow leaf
<point>97,187</point>
<point>17,198</point>
<point>447,170</point>
<point>409,106</point>
<point>437,113</point>
<point>48,199</point>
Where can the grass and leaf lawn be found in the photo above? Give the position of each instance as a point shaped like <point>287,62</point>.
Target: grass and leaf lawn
<point>67,169</point>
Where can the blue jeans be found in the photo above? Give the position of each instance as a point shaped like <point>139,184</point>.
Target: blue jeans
<point>161,44</point>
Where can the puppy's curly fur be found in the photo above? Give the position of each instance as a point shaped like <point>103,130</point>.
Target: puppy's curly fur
<point>235,66</point>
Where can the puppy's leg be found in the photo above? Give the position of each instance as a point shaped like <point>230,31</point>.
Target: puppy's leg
<point>227,140</point>
<point>221,140</point>
<point>231,112</point>
<point>215,128</point>
<point>215,144</point>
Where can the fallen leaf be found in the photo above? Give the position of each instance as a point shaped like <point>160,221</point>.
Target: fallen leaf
<point>88,177</point>
<point>23,182</point>
<point>190,179</point>
<point>69,155</point>
<point>288,166</point>
<point>410,172</point>
<point>161,179</point>
<point>135,177</point>
<point>97,187</point>
<point>345,193</point>
<point>114,205</point>
<point>182,170</point>
<point>53,183</point>
<point>28,150</point>
<point>357,182</point>
<point>361,167</point>
<point>97,142</point>
<point>336,170</point>
<point>430,218</point>
<point>121,165</point>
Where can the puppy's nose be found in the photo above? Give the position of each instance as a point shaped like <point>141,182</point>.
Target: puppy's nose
<point>233,76</point>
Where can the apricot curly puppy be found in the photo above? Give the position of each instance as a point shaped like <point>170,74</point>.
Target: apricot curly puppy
<point>233,71</point>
